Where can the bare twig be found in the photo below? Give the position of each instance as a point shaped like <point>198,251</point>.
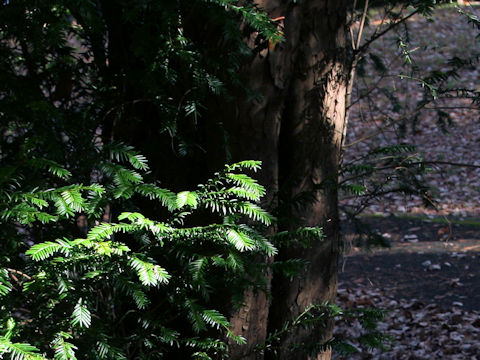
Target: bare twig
<point>18,272</point>
<point>452,108</point>
<point>449,163</point>
<point>375,133</point>
<point>376,36</point>
<point>362,24</point>
<point>353,68</point>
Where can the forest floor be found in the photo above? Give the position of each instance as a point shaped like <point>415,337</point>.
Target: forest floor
<point>428,280</point>
<point>445,131</point>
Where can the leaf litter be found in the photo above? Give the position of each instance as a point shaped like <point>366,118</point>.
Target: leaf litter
<point>378,120</point>
<point>428,282</point>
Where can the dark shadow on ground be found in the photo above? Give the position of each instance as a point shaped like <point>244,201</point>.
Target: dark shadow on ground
<point>425,267</point>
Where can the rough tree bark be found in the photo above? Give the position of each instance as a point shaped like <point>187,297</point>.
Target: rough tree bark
<point>296,130</point>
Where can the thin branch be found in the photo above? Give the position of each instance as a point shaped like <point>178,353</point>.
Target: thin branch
<point>386,30</point>
<point>352,37</point>
<point>352,16</point>
<point>376,194</point>
<point>449,163</point>
<point>452,108</point>
<point>375,86</point>
<point>368,173</point>
<point>384,17</point>
<point>375,133</point>
<point>358,53</point>
<point>350,24</point>
<point>19,273</point>
<point>396,166</point>
<point>362,24</point>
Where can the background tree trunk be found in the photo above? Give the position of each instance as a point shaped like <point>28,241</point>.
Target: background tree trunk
<point>254,134</point>
<point>297,130</point>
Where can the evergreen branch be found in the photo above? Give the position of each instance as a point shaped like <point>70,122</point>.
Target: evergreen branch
<point>122,152</point>
<point>19,351</point>
<point>376,36</point>
<point>214,318</point>
<point>148,273</point>
<point>63,349</point>
<point>52,166</point>
<point>81,315</point>
<point>189,198</point>
<point>46,249</point>
<point>240,240</point>
<point>5,286</point>
<point>166,197</point>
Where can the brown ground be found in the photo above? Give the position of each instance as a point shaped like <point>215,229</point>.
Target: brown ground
<point>429,283</point>
<point>450,250</point>
<point>429,280</point>
<point>431,268</point>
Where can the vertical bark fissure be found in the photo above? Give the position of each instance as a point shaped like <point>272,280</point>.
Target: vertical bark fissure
<point>312,131</point>
<point>254,135</point>
<point>297,131</point>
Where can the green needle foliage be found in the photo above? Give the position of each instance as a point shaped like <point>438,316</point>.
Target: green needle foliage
<point>141,285</point>
<point>97,260</point>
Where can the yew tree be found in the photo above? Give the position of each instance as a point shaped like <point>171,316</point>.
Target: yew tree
<point>133,258</point>
<point>296,129</point>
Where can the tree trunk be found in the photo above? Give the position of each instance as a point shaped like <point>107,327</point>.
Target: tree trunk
<point>297,130</point>
<point>254,134</point>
